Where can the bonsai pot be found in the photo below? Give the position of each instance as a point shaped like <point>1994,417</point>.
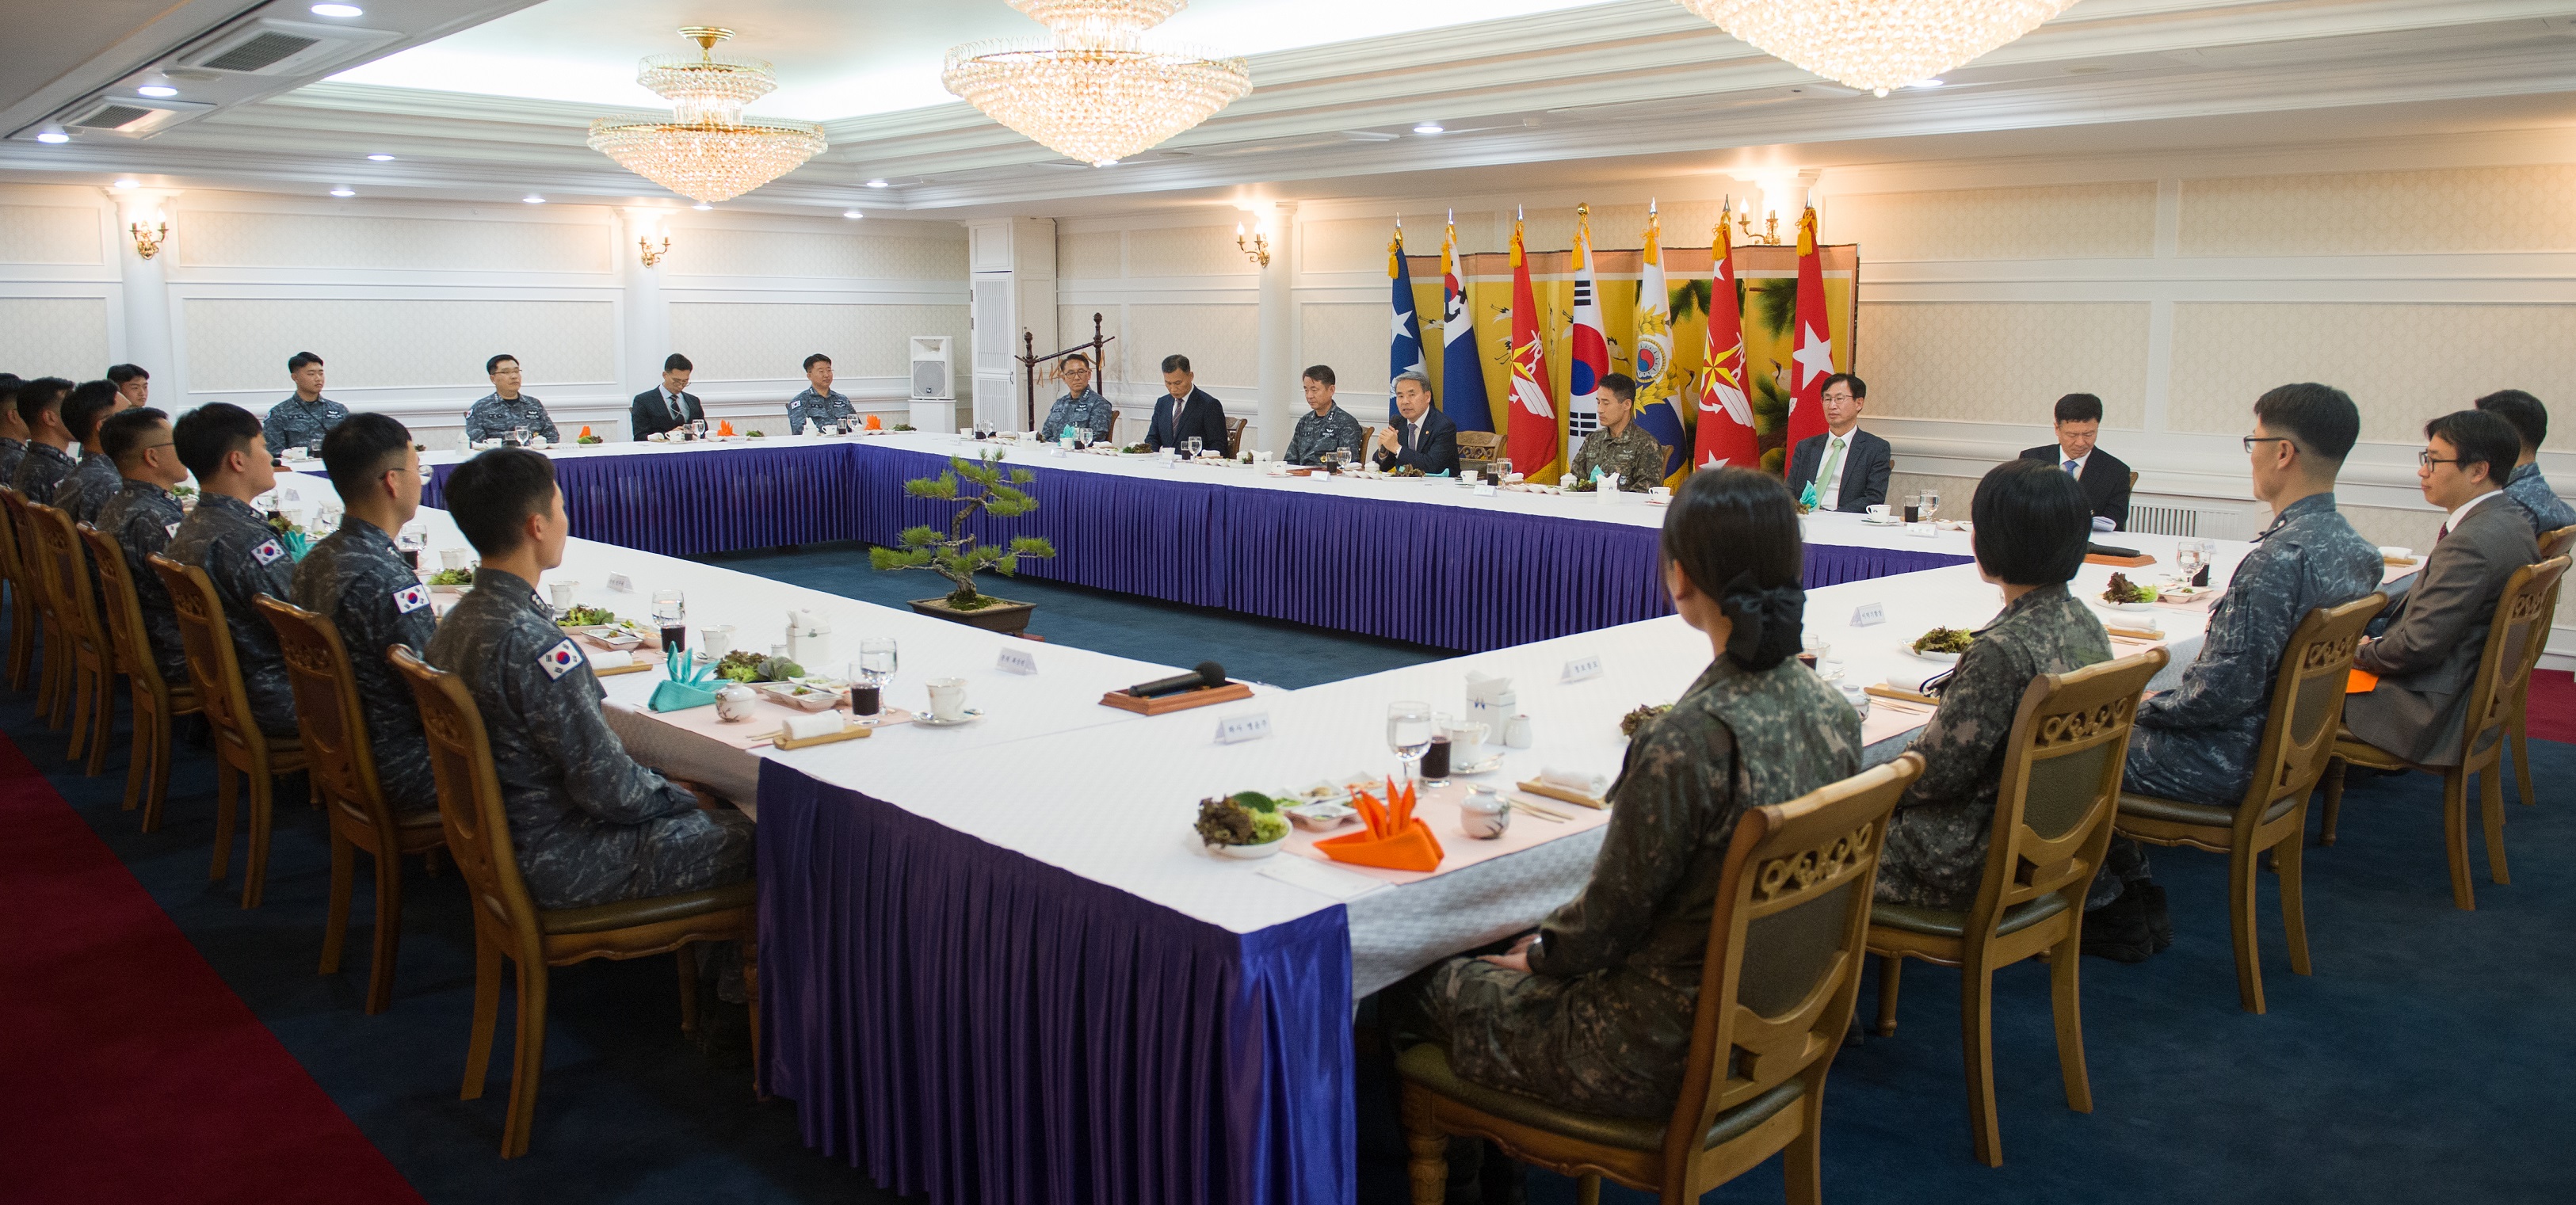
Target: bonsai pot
<point>1002,615</point>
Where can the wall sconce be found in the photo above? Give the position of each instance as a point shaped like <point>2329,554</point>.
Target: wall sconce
<point>653,255</point>
<point>1770,236</point>
<point>1255,248</point>
<point>147,243</point>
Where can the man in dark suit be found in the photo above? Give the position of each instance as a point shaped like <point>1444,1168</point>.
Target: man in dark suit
<point>2105,477</point>
<point>1426,439</point>
<point>2429,651</point>
<point>1199,413</point>
<point>1848,466</point>
<point>670,407</point>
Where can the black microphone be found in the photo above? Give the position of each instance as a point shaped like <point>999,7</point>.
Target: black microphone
<point>1208,674</point>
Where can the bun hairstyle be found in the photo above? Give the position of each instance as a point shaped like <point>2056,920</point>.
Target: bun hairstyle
<point>1734,532</point>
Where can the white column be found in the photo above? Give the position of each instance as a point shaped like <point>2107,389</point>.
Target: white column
<point>1280,395</point>
<point>648,320</point>
<point>146,288</point>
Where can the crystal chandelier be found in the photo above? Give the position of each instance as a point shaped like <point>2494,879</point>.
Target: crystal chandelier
<point>706,151</point>
<point>1877,44</point>
<point>1094,91</point>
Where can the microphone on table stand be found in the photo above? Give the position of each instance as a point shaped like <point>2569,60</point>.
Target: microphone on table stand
<point>1207,674</point>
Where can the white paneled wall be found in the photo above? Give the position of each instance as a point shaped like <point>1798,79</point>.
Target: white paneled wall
<point>1163,284</point>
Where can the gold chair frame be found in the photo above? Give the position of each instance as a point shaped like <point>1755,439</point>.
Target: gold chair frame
<point>156,702</point>
<point>240,747</point>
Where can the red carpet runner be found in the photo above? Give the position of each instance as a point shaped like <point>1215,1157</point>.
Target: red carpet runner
<point>128,1071</point>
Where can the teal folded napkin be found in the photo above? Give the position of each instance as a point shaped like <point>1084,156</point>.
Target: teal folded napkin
<point>688,685</point>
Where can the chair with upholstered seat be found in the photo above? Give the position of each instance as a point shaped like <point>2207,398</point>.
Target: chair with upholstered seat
<point>54,680</point>
<point>2504,673</point>
<point>2553,544</point>
<point>509,925</point>
<point>91,660</point>
<point>2060,788</point>
<point>23,614</point>
<point>156,702</point>
<point>2298,737</point>
<point>241,749</point>
<point>344,774</point>
<point>1780,977</point>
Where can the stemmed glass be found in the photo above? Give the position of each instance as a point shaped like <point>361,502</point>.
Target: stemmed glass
<point>2186,560</point>
<point>519,435</point>
<point>697,428</point>
<point>878,658</point>
<point>1408,732</point>
<point>414,537</point>
<point>1192,446</point>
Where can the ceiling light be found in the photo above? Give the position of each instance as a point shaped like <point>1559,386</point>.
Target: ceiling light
<point>344,192</point>
<point>705,150</point>
<point>852,214</point>
<point>876,183</point>
<point>1429,127</point>
<point>155,90</point>
<point>702,207</point>
<point>380,157</point>
<point>53,137</point>
<point>533,199</point>
<point>1926,83</point>
<point>125,184</point>
<point>338,10</point>
<point>1879,45</point>
<point>1094,89</point>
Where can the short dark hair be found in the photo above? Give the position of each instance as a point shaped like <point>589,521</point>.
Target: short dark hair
<point>90,402</point>
<point>207,434</point>
<point>122,435</point>
<point>9,386</point>
<point>1860,388</point>
<point>362,448</point>
<point>1071,357</point>
<point>2078,408</point>
<point>1731,529</point>
<point>1622,384</point>
<point>675,362</point>
<point>1176,362</point>
<point>820,358</point>
<point>40,395</point>
<point>2481,438</point>
<point>296,362</point>
<point>491,496</point>
<point>2530,419</point>
<point>493,365</point>
<point>2032,523</point>
<point>2321,418</point>
<point>1321,374</point>
<point>122,373</point>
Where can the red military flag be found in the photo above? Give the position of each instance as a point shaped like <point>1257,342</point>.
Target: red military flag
<point>1725,411</point>
<point>1530,440</point>
<point>1812,351</point>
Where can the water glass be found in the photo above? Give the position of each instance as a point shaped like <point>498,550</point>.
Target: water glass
<point>697,428</point>
<point>1193,446</point>
<point>1931,504</point>
<point>519,435</point>
<point>1408,731</point>
<point>671,615</point>
<point>877,661</point>
<point>1914,508</point>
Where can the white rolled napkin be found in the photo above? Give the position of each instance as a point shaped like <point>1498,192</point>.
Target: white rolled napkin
<point>821,723</point>
<point>1574,780</point>
<point>1912,680</point>
<point>608,659</point>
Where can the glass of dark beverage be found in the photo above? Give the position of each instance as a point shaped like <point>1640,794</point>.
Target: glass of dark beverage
<point>671,613</point>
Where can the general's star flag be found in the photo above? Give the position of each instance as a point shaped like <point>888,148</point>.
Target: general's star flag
<point>1657,380</point>
<point>1531,437</point>
<point>1404,337</point>
<point>1588,343</point>
<point>1725,411</point>
<point>1812,357</point>
<point>1462,370</point>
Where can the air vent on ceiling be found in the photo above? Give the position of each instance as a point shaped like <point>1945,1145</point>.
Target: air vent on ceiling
<point>126,117</point>
<point>112,117</point>
<point>270,47</point>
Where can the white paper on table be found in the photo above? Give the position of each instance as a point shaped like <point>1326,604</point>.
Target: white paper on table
<point>1331,882</point>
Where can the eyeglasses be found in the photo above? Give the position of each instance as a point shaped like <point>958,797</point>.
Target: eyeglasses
<point>2427,459</point>
<point>2252,440</point>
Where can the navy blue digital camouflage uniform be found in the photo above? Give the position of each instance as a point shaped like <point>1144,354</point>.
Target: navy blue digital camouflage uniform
<point>11,452</point>
<point>356,579</point>
<point>143,516</point>
<point>493,418</point>
<point>1317,434</point>
<point>1090,412</point>
<point>41,471</point>
<point>296,423</point>
<point>92,482</point>
<point>822,409</point>
<point>243,556</point>
<point>2530,490</point>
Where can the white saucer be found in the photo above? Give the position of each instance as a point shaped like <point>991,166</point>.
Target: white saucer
<point>927,720</point>
<point>1481,767</point>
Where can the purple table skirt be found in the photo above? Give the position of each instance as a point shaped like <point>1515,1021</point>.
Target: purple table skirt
<point>717,500</point>
<point>966,1022</point>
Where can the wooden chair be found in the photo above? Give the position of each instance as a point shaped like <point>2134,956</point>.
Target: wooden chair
<point>90,658</point>
<point>53,684</point>
<point>1234,435</point>
<point>2298,737</point>
<point>240,747</point>
<point>156,702</point>
<point>344,775</point>
<point>1479,445</point>
<point>2561,542</point>
<point>2060,788</point>
<point>2504,673</point>
<point>508,924</point>
<point>1775,996</point>
<point>23,588</point>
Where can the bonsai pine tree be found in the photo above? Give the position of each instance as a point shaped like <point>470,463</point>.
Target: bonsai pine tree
<point>957,556</point>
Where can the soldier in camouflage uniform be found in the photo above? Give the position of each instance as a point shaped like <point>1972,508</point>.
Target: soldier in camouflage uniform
<point>819,403</point>
<point>302,420</point>
<point>2547,511</point>
<point>1325,426</point>
<point>1594,1014</point>
<point>48,457</point>
<point>1620,446</point>
<point>13,429</point>
<point>241,554</point>
<point>356,579</point>
<point>590,825</point>
<point>93,480</point>
<point>1081,408</point>
<point>143,515</point>
<point>505,409</point>
<point>2032,524</point>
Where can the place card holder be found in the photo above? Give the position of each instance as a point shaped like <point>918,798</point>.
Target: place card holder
<point>1202,697</point>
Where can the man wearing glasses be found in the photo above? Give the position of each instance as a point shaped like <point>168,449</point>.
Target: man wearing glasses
<point>2429,651</point>
<point>2196,742</point>
<point>142,514</point>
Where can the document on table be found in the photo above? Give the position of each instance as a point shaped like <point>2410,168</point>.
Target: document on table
<point>1325,880</point>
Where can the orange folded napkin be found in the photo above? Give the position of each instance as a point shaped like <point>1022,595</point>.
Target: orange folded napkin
<point>2361,682</point>
<point>1393,840</point>
<point>725,427</point>
<point>875,423</point>
<point>585,433</point>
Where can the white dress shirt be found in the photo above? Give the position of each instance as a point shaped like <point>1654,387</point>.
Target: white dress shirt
<point>2452,524</point>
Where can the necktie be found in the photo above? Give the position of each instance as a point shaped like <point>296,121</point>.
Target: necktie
<point>2071,469</point>
<point>1833,460</point>
<point>2443,534</point>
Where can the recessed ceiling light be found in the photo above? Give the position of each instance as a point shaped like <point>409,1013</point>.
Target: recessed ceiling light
<point>852,214</point>
<point>338,10</point>
<point>122,184</point>
<point>1428,127</point>
<point>53,137</point>
<point>1925,83</point>
<point>533,199</point>
<point>380,157</point>
<point>876,183</point>
<point>156,90</point>
<point>344,192</point>
<point>702,207</point>
<point>1105,163</point>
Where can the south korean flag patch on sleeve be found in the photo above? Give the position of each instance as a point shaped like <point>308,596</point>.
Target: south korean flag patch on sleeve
<point>410,598</point>
<point>560,659</point>
<point>268,552</point>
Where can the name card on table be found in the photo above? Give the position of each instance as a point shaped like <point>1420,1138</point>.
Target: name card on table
<point>621,582</point>
<point>1484,489</point>
<point>1582,669</point>
<point>1017,661</point>
<point>1868,616</point>
<point>1236,729</point>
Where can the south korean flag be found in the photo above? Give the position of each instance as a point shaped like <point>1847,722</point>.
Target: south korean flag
<point>410,598</point>
<point>268,552</point>
<point>560,659</point>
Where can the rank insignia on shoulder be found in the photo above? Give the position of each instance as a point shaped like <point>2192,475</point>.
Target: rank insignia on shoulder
<point>410,598</point>
<point>560,659</point>
<point>268,552</point>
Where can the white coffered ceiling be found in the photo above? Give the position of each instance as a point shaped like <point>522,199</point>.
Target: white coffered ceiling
<point>1564,92</point>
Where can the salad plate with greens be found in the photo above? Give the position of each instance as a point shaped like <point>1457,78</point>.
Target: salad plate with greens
<point>1246,824</point>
